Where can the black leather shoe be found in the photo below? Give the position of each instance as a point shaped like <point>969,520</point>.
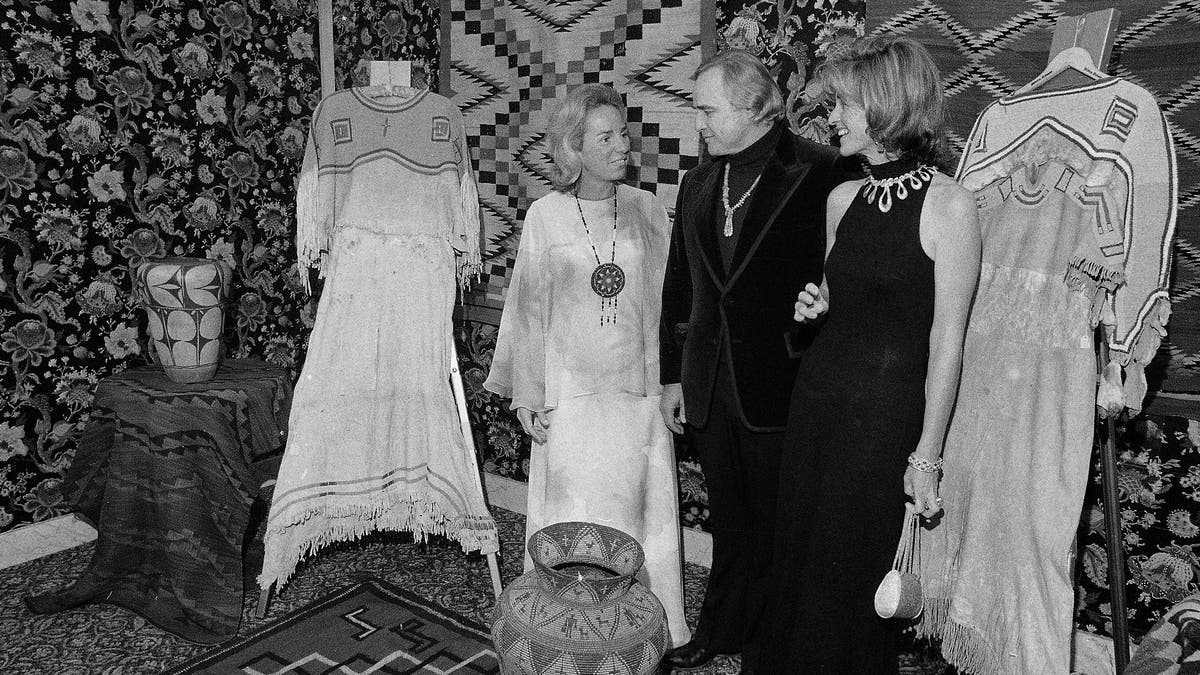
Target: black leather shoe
<point>690,655</point>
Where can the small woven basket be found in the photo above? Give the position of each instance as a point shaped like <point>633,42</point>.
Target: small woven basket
<point>899,594</point>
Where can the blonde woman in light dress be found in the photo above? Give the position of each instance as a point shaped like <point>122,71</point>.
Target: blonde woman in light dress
<point>578,352</point>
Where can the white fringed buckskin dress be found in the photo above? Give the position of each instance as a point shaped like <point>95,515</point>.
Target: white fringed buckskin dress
<point>1076,195</point>
<point>387,208</point>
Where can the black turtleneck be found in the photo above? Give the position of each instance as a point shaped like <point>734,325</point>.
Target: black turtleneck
<point>744,166</point>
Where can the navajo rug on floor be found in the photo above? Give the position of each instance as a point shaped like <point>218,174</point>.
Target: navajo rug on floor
<point>103,638</point>
<point>370,627</point>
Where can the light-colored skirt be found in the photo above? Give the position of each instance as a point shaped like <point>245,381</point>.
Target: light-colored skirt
<point>374,440</point>
<point>609,459</point>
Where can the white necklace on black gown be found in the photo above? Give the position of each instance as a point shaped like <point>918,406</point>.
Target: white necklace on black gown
<point>884,177</point>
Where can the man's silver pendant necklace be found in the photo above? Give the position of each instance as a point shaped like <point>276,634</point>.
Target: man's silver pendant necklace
<point>728,231</point>
<point>608,279</point>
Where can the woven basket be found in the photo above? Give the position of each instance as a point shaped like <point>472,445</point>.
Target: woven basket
<point>580,609</point>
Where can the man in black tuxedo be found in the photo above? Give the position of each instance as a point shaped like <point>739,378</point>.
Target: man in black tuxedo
<point>749,233</point>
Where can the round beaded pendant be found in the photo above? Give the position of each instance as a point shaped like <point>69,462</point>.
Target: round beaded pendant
<point>608,279</point>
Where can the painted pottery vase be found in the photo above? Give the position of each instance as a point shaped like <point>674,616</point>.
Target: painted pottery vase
<point>580,609</point>
<point>184,300</point>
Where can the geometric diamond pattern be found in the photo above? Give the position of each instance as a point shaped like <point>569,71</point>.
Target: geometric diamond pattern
<point>580,610</point>
<point>510,62</point>
<point>988,50</point>
<point>391,630</point>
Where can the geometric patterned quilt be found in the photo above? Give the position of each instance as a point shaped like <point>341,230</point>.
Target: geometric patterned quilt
<point>507,63</point>
<point>988,50</point>
<point>371,627</point>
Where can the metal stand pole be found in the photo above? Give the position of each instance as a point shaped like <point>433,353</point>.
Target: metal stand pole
<point>461,399</point>
<point>1112,533</point>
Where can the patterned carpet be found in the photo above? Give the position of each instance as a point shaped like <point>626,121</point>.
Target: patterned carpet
<point>105,639</point>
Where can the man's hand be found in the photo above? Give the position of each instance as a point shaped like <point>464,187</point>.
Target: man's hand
<point>671,407</point>
<point>534,423</point>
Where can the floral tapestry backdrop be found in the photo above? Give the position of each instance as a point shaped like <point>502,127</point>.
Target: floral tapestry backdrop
<point>1158,478</point>
<point>385,30</point>
<point>131,130</point>
<point>792,37</point>
<point>128,131</point>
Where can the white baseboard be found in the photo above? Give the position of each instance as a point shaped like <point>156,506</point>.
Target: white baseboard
<point>511,495</point>
<point>36,540</point>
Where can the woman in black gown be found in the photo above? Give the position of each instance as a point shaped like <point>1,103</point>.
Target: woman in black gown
<point>873,397</point>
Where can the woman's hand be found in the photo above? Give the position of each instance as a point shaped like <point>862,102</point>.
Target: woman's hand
<point>810,304</point>
<point>922,486</point>
<point>534,423</point>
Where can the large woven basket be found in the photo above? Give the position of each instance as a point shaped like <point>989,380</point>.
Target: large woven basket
<point>580,609</point>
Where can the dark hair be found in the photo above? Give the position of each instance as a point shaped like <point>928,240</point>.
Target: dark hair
<point>897,84</point>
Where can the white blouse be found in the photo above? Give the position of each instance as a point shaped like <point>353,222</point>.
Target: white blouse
<point>552,342</point>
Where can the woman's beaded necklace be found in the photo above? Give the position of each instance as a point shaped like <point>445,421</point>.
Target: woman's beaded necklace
<point>608,279</point>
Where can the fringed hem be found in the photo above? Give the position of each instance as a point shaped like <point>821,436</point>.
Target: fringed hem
<point>329,523</point>
<point>1091,277</point>
<point>470,262</point>
<point>963,647</point>
<point>1093,280</point>
<point>311,238</point>
<point>932,619</point>
<point>1100,282</point>
<point>467,273</point>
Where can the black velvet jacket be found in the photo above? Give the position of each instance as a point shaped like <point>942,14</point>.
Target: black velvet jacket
<point>747,312</point>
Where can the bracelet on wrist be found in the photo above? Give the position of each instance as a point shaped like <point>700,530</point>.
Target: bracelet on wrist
<point>924,465</point>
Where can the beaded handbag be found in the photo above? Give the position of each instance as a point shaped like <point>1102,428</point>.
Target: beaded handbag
<point>899,594</point>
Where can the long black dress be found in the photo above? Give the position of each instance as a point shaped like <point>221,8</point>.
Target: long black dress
<point>856,414</point>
